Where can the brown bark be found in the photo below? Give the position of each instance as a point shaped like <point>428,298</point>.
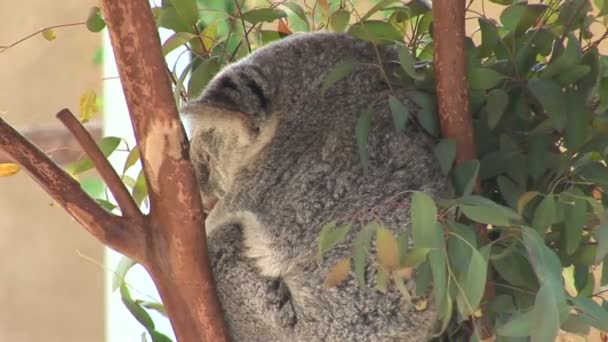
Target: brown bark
<point>449,62</point>
<point>177,250</point>
<point>170,242</point>
<point>56,142</point>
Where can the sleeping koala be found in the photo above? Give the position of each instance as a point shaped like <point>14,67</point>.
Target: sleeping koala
<point>277,158</point>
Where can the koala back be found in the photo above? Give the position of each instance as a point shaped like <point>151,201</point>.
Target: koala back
<point>281,158</point>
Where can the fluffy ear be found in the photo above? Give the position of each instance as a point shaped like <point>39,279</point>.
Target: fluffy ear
<point>222,143</point>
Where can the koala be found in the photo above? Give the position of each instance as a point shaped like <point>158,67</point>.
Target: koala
<point>277,157</point>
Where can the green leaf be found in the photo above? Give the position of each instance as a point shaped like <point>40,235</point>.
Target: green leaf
<point>509,190</point>
<point>475,200</point>
<point>424,221</point>
<point>485,215</point>
<point>575,214</point>
<point>462,239</point>
<point>602,5</point>
<point>140,191</point>
<point>496,103</point>
<point>520,16</point>
<point>201,75</point>
<point>176,40</point>
<point>423,279</point>
<point>568,59</point>
<point>377,7</point>
<point>427,113</point>
<point>382,280</point>
<point>338,72</point>
<point>187,10</point>
<point>518,326</point>
<point>124,265</point>
<point>473,283</point>
<point>578,118</point>
<point>438,265</point>
<point>362,132</point>
<point>545,214</point>
<point>331,235</point>
<point>515,269</point>
<point>339,20</point>
<point>503,2</point>
<point>464,176</point>
<point>594,172</point>
<point>107,145</point>
<point>94,187</point>
<point>545,316</point>
<point>298,11</point>
<point>484,78</point>
<point>156,306</point>
<point>361,244</point>
<point>445,152</point>
<point>489,37</point>
<point>407,62</point>
<point>413,257</point>
<point>595,315</point>
<point>136,310</point>
<point>132,158</point>
<point>399,112</point>
<point>95,22</point>
<point>602,239</point>
<point>604,277</point>
<point>169,18</point>
<point>550,96</point>
<point>545,262</point>
<point>376,31</point>
<point>255,16</point>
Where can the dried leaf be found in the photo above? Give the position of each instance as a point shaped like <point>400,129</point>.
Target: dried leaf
<point>337,274</point>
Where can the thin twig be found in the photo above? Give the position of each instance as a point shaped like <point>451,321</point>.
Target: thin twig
<point>246,37</point>
<point>123,198</point>
<point>21,40</point>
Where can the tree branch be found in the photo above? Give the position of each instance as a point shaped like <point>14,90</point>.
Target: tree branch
<point>125,236</point>
<point>106,171</point>
<point>451,73</point>
<point>449,62</point>
<point>178,260</point>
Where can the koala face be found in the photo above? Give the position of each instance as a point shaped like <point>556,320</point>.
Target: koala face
<point>276,159</point>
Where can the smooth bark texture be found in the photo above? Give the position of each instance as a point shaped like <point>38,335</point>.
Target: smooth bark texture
<point>176,243</point>
<point>449,62</point>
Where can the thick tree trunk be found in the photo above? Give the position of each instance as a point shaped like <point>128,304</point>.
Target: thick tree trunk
<point>449,62</point>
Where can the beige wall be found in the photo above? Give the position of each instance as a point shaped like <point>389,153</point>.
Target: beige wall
<point>51,281</point>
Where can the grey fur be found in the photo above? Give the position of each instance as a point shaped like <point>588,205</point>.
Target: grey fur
<point>282,158</point>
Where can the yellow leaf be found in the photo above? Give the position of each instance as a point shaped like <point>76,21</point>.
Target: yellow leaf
<point>404,273</point>
<point>337,274</point>
<point>421,305</point>
<point>209,36</point>
<point>524,199</point>
<point>49,35</point>
<point>88,106</point>
<point>8,169</point>
<point>387,249</point>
